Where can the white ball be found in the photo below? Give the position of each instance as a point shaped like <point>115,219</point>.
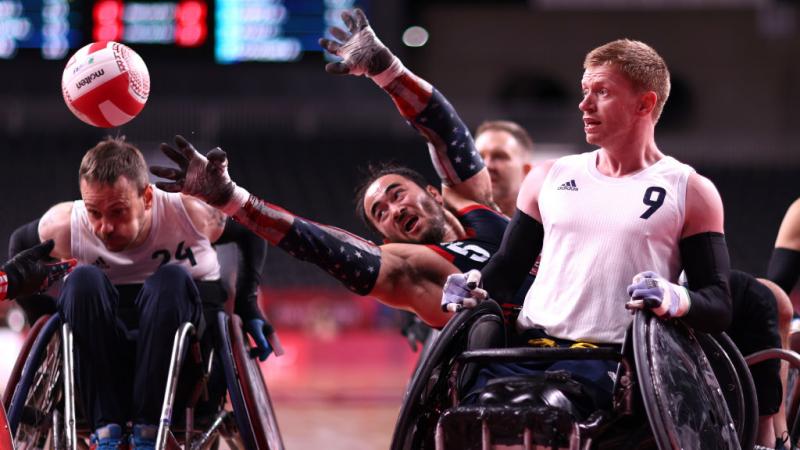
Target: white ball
<point>105,84</point>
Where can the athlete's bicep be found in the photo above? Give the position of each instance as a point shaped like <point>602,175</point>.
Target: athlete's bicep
<point>207,219</point>
<point>411,278</point>
<point>528,198</point>
<point>703,207</point>
<point>55,224</point>
<point>789,232</point>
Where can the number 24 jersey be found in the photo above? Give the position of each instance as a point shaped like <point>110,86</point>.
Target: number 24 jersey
<point>173,239</point>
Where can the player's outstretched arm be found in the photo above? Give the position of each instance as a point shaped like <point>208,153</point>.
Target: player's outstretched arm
<point>352,260</point>
<point>401,275</point>
<point>451,146</point>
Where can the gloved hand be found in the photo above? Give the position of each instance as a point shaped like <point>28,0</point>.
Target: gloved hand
<point>265,338</point>
<point>361,51</point>
<point>204,177</point>
<point>415,330</point>
<point>665,299</point>
<point>461,290</point>
<point>28,273</point>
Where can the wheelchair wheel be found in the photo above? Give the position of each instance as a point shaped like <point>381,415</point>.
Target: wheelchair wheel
<point>252,408</point>
<point>16,372</point>
<point>256,395</point>
<point>426,396</point>
<point>39,389</point>
<point>683,400</point>
<point>736,382</point>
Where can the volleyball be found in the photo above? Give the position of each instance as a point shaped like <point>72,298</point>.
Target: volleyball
<point>105,84</point>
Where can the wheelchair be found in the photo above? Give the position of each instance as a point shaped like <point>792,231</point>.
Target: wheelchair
<point>45,412</point>
<point>792,392</point>
<point>674,388</point>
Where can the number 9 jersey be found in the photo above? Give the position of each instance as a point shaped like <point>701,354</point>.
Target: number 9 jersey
<point>173,239</point>
<point>600,231</point>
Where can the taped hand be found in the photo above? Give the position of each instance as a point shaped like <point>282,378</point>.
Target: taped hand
<point>361,51</point>
<point>461,290</point>
<point>204,177</point>
<point>665,299</point>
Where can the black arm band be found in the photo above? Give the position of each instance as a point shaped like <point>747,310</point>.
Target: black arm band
<point>355,262</point>
<point>24,238</point>
<point>784,268</point>
<point>506,270</point>
<point>705,259</point>
<point>252,254</point>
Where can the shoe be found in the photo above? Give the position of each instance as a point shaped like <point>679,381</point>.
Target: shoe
<point>108,437</point>
<point>144,437</point>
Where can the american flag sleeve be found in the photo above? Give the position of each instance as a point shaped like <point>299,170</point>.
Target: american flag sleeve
<point>354,261</point>
<point>3,285</point>
<point>450,143</point>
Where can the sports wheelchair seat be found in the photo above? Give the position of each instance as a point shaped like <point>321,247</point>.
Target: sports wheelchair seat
<point>666,394</point>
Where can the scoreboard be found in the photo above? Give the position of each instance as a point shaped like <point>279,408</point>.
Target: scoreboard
<point>224,31</point>
<point>50,26</point>
<point>272,30</point>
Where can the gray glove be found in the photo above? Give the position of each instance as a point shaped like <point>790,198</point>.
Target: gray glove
<point>204,177</point>
<point>361,51</point>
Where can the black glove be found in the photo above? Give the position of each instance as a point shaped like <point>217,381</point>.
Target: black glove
<point>265,337</point>
<point>28,273</point>
<point>414,330</point>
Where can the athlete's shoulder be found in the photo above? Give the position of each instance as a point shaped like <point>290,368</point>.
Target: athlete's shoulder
<point>704,211</point>
<point>55,224</point>
<point>209,221</point>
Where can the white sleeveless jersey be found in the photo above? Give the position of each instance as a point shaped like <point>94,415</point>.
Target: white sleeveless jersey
<point>173,239</point>
<point>600,232</point>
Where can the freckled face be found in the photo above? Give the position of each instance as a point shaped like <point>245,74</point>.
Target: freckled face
<point>610,103</point>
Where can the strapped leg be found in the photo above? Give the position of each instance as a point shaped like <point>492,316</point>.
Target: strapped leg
<point>88,303</point>
<point>168,299</point>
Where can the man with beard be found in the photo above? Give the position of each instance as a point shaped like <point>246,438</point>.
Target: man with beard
<point>428,233</point>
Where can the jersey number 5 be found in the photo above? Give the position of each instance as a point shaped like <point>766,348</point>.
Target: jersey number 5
<point>471,251</point>
<point>180,254</point>
<point>653,197</point>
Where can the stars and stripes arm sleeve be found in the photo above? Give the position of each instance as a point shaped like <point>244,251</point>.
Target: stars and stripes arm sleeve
<point>450,143</point>
<point>354,261</point>
<point>3,285</point>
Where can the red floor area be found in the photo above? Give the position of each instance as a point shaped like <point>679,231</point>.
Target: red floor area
<point>355,366</point>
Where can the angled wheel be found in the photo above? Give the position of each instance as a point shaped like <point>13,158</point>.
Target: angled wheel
<point>426,396</point>
<point>736,382</point>
<point>680,392</point>
<point>252,408</point>
<point>254,389</point>
<point>39,389</point>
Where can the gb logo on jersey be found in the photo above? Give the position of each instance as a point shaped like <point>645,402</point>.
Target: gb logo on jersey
<point>470,251</point>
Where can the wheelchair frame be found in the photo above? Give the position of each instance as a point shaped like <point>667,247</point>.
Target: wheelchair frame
<point>42,384</point>
<point>427,399</point>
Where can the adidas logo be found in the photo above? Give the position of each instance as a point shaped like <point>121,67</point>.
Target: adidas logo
<point>568,186</point>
